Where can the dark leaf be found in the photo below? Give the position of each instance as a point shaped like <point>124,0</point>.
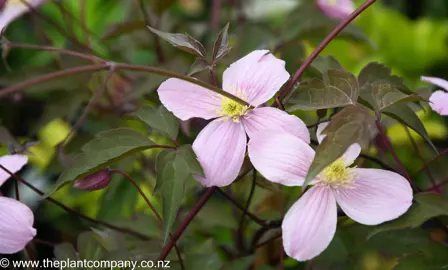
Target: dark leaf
<point>239,264</point>
<point>159,6</point>
<point>426,206</point>
<point>182,41</point>
<point>338,88</point>
<point>199,65</point>
<point>352,125</point>
<point>161,119</point>
<point>221,47</point>
<point>108,147</point>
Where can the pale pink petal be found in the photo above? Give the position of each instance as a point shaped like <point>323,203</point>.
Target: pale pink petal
<point>280,156</point>
<point>377,196</point>
<point>14,9</point>
<point>13,163</point>
<point>255,77</point>
<point>220,148</point>
<point>336,9</point>
<point>310,224</point>
<point>436,81</point>
<point>187,100</point>
<point>16,226</point>
<point>271,118</point>
<point>352,152</point>
<point>439,102</point>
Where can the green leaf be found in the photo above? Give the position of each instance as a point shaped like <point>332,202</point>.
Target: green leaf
<point>89,248</point>
<point>352,125</point>
<point>64,252</point>
<point>182,41</point>
<point>406,116</point>
<point>426,206</point>
<point>338,88</point>
<point>203,261</point>
<point>107,148</point>
<point>160,119</point>
<point>174,168</point>
<point>221,47</point>
<point>324,63</point>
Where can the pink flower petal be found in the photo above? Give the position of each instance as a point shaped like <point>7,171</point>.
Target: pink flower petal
<point>310,224</point>
<point>436,81</point>
<point>13,163</point>
<point>271,118</point>
<point>187,100</point>
<point>352,152</point>
<point>14,9</point>
<point>16,226</point>
<point>336,9</point>
<point>258,75</point>
<point>220,148</point>
<point>280,156</point>
<point>377,196</point>
<point>439,102</point>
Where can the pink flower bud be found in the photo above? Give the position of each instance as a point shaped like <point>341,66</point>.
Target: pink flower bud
<point>95,181</point>
<point>336,9</point>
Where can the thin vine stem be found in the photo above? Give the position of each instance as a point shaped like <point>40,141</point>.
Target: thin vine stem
<point>287,90</point>
<point>69,210</point>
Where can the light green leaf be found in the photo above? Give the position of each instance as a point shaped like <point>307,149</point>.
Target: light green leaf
<point>107,148</point>
<point>160,119</point>
<point>352,125</point>
<point>338,88</point>
<point>324,63</point>
<point>426,206</point>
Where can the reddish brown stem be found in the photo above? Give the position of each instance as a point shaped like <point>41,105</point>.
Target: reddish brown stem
<point>191,215</point>
<point>439,156</point>
<point>389,146</point>
<point>417,150</point>
<point>439,185</point>
<point>285,92</point>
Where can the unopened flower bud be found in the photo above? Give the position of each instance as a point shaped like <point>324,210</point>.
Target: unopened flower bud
<point>95,181</point>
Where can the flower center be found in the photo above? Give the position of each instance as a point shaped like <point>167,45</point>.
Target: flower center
<point>232,109</point>
<point>337,175</point>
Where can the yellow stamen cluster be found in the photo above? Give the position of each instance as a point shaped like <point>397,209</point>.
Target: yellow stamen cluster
<point>337,175</point>
<point>232,109</point>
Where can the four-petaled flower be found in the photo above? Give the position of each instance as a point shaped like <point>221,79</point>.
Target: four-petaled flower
<point>368,196</point>
<point>439,99</point>
<point>221,145</point>
<point>16,219</point>
<point>13,9</point>
<point>336,9</point>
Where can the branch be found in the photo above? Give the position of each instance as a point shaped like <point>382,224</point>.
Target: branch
<point>321,47</point>
<point>68,209</point>
<point>191,215</point>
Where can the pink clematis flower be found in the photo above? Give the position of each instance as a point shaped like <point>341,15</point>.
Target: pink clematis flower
<point>221,145</point>
<point>16,219</point>
<point>439,99</point>
<point>368,196</point>
<point>13,9</point>
<point>336,9</point>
